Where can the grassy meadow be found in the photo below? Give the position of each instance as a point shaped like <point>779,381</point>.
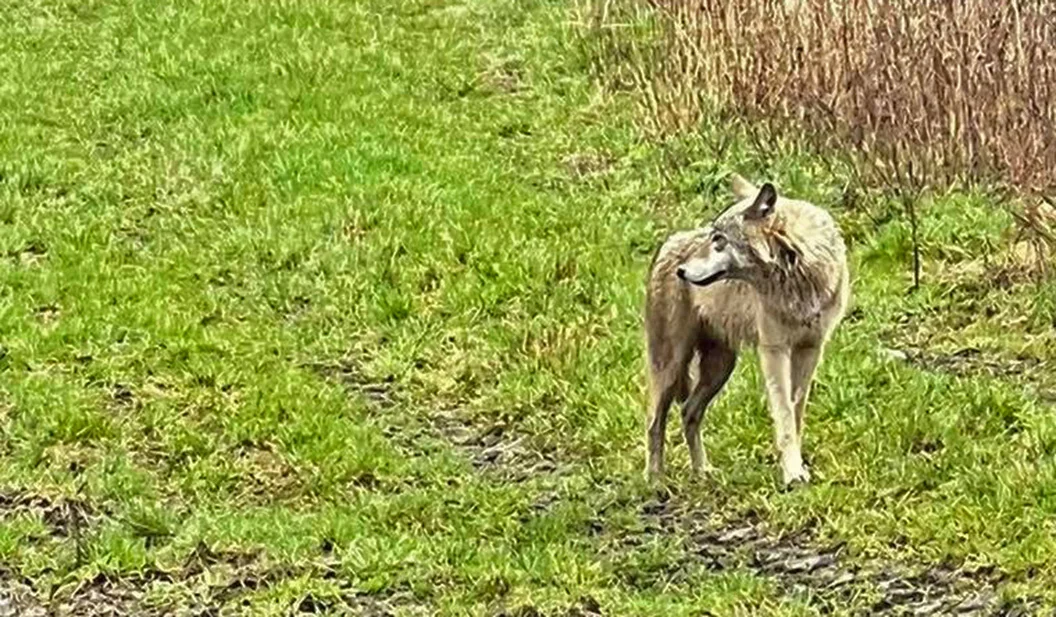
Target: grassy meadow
<point>334,307</point>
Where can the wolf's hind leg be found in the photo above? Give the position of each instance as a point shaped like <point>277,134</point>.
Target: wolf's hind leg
<point>664,389</point>
<point>716,364</point>
<point>667,383</point>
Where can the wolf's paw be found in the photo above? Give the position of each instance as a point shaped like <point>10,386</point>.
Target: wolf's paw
<point>793,477</point>
<point>702,467</point>
<point>653,475</point>
<point>704,473</point>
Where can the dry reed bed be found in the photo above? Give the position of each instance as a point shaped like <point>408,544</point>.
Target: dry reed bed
<point>926,93</point>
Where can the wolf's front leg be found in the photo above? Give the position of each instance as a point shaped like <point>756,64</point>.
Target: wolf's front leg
<point>777,373</point>
<point>805,361</point>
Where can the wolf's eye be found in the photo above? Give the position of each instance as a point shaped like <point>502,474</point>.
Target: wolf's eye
<point>718,241</point>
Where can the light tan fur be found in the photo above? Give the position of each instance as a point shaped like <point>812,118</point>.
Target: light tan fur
<point>786,300</point>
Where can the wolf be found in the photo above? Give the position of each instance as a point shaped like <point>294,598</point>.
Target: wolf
<point>769,272</point>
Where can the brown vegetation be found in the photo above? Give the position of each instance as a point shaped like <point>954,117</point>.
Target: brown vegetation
<point>923,93</point>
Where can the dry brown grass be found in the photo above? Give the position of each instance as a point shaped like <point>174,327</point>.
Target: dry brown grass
<point>962,90</point>
<point>924,94</point>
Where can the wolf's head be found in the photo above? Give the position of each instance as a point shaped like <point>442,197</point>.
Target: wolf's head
<point>745,242</point>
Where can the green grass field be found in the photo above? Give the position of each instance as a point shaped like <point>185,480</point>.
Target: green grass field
<point>334,307</point>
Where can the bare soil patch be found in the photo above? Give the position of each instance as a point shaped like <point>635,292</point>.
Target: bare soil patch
<point>801,564</point>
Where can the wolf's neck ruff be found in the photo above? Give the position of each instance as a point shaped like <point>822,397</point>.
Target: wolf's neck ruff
<point>800,291</point>
<point>801,295</point>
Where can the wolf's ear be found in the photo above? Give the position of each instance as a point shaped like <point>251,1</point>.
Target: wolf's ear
<point>742,189</point>
<point>764,202</point>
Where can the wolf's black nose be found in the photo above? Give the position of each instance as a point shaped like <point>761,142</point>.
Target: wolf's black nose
<point>681,272</point>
